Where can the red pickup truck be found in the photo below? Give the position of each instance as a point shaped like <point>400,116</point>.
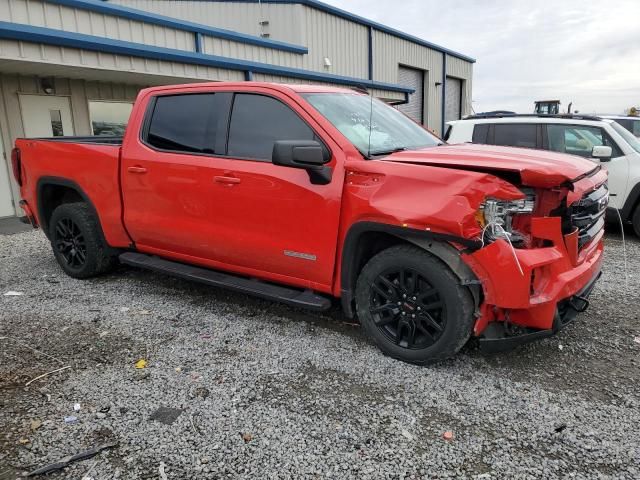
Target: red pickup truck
<point>304,193</point>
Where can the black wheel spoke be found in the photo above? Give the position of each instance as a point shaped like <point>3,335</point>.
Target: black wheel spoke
<point>431,321</point>
<point>406,308</point>
<point>70,242</point>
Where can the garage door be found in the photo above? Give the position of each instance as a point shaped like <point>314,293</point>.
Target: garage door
<point>413,78</point>
<point>453,99</point>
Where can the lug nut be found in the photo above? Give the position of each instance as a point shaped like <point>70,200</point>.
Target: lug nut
<point>404,295</point>
<point>419,308</point>
<point>413,315</point>
<point>414,298</point>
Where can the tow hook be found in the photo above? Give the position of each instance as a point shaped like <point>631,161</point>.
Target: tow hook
<point>579,304</point>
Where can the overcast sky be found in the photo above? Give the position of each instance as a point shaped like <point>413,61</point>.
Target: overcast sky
<point>584,51</point>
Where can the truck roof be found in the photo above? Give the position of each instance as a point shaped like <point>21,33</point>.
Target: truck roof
<point>299,88</point>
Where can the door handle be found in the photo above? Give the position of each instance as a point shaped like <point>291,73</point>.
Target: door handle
<point>226,180</point>
<point>137,170</point>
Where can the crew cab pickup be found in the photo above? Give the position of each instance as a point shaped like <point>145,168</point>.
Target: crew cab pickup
<point>307,193</point>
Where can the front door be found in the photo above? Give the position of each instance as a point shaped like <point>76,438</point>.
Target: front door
<point>580,140</point>
<point>46,116</point>
<point>6,205</point>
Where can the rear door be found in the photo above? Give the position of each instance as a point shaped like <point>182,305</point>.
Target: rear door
<point>168,176</point>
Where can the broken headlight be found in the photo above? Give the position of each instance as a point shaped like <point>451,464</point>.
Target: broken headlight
<point>496,218</point>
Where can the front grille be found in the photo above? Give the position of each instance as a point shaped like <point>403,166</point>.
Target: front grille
<point>587,214</point>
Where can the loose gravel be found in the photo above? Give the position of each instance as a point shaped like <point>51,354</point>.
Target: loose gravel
<point>252,389</point>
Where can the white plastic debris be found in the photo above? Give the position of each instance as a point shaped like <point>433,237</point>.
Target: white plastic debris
<point>76,407</point>
<point>11,293</point>
<point>560,347</point>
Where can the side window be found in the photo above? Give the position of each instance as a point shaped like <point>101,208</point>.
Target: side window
<point>188,123</point>
<point>515,134</point>
<point>257,122</point>
<point>480,132</point>
<point>578,139</point>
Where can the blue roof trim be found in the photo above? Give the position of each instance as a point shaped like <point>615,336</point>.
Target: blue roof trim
<point>100,6</point>
<point>361,20</point>
<point>29,33</point>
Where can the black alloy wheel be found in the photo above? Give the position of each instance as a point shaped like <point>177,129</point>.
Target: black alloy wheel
<point>413,306</point>
<point>70,243</point>
<point>407,308</point>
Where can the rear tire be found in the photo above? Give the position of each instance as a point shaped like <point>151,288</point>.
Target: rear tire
<point>635,221</point>
<point>412,305</point>
<point>75,237</point>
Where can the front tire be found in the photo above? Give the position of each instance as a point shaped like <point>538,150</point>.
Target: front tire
<point>413,306</point>
<point>76,241</point>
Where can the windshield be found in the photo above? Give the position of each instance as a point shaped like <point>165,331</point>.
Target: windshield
<point>627,135</point>
<point>390,130</point>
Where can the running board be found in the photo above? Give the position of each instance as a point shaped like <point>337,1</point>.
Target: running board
<point>298,298</point>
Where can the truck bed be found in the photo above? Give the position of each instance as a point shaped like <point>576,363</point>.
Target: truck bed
<point>90,165</point>
<point>93,139</point>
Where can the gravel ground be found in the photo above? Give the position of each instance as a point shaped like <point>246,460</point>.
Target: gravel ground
<point>267,391</point>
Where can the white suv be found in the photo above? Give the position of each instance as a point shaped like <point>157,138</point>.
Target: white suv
<point>600,139</point>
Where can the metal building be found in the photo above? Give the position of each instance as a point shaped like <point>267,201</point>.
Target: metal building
<point>74,67</point>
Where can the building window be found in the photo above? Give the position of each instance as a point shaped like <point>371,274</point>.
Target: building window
<point>56,123</point>
<point>109,118</point>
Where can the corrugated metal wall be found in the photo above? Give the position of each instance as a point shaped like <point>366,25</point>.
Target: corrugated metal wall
<point>42,14</point>
<point>118,64</point>
<point>285,21</point>
<point>463,70</point>
<point>390,51</point>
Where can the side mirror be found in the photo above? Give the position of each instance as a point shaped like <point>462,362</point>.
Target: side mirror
<point>602,153</point>
<point>306,154</point>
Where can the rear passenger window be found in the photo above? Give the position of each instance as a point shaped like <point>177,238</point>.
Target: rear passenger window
<point>257,122</point>
<point>186,123</point>
<point>515,134</point>
<point>480,132</point>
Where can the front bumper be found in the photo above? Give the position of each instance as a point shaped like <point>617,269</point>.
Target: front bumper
<point>529,293</point>
<point>498,340</point>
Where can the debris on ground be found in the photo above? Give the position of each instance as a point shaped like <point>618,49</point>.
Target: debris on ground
<point>247,437</point>
<point>13,294</point>
<point>66,461</point>
<point>560,427</point>
<point>35,424</point>
<point>163,475</point>
<point>45,375</point>
<point>71,419</point>
<point>166,415</point>
<point>448,435</point>
<point>406,434</point>
<point>76,407</point>
<point>142,363</point>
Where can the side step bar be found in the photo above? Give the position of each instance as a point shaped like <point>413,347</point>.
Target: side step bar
<point>291,296</point>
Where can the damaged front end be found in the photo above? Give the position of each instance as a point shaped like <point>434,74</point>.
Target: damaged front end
<point>540,258</point>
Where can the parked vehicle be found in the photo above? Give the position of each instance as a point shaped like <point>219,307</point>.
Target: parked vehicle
<point>286,193</point>
<point>630,123</point>
<point>604,141</point>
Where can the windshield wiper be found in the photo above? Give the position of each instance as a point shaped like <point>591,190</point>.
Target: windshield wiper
<point>386,152</point>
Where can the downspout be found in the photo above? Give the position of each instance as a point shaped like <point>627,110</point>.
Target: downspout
<point>444,90</point>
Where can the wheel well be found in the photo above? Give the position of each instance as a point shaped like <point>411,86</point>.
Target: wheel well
<point>52,196</point>
<point>366,239</point>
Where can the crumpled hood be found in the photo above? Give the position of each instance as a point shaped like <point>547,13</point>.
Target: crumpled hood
<point>537,168</point>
